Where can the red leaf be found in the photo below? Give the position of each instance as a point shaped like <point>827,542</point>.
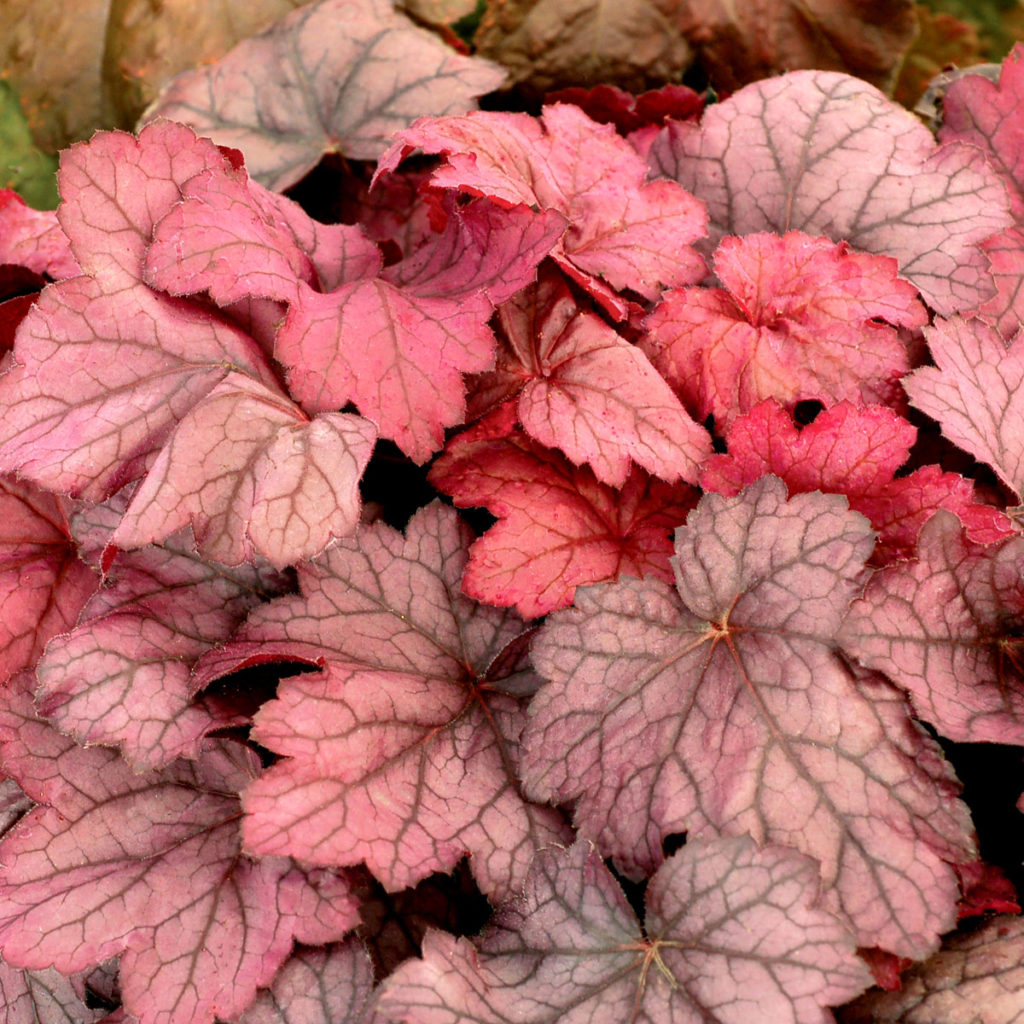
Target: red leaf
<point>584,389</point>
<point>404,751</point>
<point>722,709</point>
<point>985,889</point>
<point>621,230</point>
<point>946,628</point>
<point>828,154</point>
<point>123,675</point>
<point>728,927</point>
<point>558,526</point>
<point>976,392</point>
<point>146,866</point>
<point>43,583</point>
<point>798,318</point>
<point>336,76</point>
<point>608,104</point>
<point>397,345</point>
<point>855,452</point>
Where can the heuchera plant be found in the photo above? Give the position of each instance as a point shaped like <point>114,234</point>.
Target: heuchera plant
<point>669,711</point>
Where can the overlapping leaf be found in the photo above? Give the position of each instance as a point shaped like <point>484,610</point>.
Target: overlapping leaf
<point>721,708</point>
<point>977,976</point>
<point>33,238</point>
<point>727,927</point>
<point>335,76</point>
<point>623,231</point>
<point>403,752</point>
<point>147,866</point>
<point>42,997</point>
<point>398,345</point>
<point>946,626</point>
<point>976,392</point>
<point>582,388</point>
<point>855,452</point>
<point>123,675</point>
<point>798,318</point>
<point>113,379</point>
<point>827,154</point>
<point>558,526</point>
<point>43,582</point>
<point>318,986</point>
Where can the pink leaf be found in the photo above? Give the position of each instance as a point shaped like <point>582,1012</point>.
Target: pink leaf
<point>403,752</point>
<point>976,392</point>
<point>43,582</point>
<point>855,452</point>
<point>233,239</point>
<point>944,627</point>
<point>335,76</point>
<point>728,927</point>
<point>254,476</point>
<point>828,154</point>
<point>318,986</point>
<point>977,975</point>
<point>42,997</point>
<point>621,230</point>
<point>721,708</point>
<point>397,345</point>
<point>558,526</point>
<point>584,389</point>
<point>798,318</point>
<point>147,866</point>
<point>124,674</point>
<point>34,239</point>
<point>987,114</point>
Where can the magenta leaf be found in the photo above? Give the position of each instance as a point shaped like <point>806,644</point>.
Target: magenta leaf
<point>728,927</point>
<point>147,866</point>
<point>254,476</point>
<point>798,318</point>
<point>558,526</point>
<point>403,752</point>
<point>42,997</point>
<point>828,154</point>
<point>975,392</point>
<point>584,389</point>
<point>318,986</point>
<point>721,708</point>
<point>976,976</point>
<point>623,231</point>
<point>945,627</point>
<point>336,76</point>
<point>123,675</point>
<point>43,582</point>
<point>397,345</point>
<point>855,452</point>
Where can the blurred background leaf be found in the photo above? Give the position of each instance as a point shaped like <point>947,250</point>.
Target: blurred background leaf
<point>23,167</point>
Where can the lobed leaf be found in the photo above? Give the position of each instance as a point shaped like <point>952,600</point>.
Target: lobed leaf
<point>945,627</point>
<point>403,752</point>
<point>147,866</point>
<point>827,154</point>
<point>335,76</point>
<point>622,231</point>
<point>798,318</point>
<point>33,238</point>
<point>558,526</point>
<point>720,708</point>
<point>729,930</point>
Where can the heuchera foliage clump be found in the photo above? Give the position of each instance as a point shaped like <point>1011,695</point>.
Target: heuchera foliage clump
<point>715,381</point>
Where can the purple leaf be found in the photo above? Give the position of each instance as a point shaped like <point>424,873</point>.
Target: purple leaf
<point>944,626</point>
<point>336,76</point>
<point>147,866</point>
<point>403,752</point>
<point>721,708</point>
<point>828,154</point>
<point>730,930</point>
<point>42,997</point>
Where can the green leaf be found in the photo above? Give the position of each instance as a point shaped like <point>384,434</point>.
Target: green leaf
<point>24,167</point>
